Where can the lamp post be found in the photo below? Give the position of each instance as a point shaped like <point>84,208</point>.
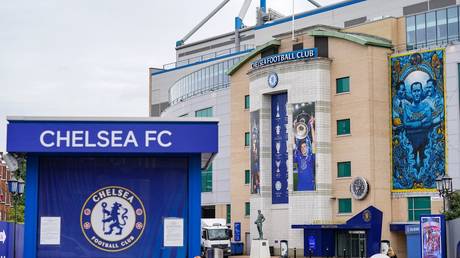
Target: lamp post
<point>444,187</point>
<point>16,188</point>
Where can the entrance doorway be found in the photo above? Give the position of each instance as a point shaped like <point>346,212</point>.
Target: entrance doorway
<point>351,244</point>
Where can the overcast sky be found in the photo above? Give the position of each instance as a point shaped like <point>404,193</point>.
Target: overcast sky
<point>91,57</point>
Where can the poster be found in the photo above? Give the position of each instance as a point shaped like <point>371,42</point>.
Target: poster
<point>173,232</point>
<point>432,236</point>
<point>50,230</point>
<point>304,148</point>
<point>255,152</point>
<point>279,149</point>
<point>418,120</point>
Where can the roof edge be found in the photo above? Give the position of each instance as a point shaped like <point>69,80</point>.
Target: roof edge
<point>253,53</point>
<point>360,39</point>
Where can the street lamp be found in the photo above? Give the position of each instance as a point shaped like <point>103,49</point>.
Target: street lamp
<point>444,187</point>
<point>16,188</point>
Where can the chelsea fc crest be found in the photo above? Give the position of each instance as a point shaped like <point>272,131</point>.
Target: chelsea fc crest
<point>113,218</point>
<point>272,80</point>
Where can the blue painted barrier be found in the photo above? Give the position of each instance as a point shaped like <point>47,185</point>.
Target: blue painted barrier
<point>6,240</point>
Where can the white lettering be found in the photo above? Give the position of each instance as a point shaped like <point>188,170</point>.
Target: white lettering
<point>103,136</point>
<point>160,139</point>
<point>87,143</point>
<point>150,136</point>
<point>130,138</point>
<point>116,137</point>
<point>42,139</point>
<point>77,137</point>
<point>66,139</point>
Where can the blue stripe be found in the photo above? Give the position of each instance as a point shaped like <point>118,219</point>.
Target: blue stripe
<point>194,206</point>
<point>202,62</point>
<point>31,213</point>
<point>310,13</point>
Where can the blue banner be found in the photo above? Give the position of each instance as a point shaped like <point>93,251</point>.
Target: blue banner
<point>112,137</point>
<point>111,206</point>
<point>237,229</point>
<point>7,236</point>
<point>279,149</point>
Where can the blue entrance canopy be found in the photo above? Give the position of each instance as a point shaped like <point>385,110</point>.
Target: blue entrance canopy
<point>113,187</point>
<point>369,220</point>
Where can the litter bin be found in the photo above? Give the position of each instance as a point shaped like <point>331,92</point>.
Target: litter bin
<point>237,248</point>
<point>215,253</point>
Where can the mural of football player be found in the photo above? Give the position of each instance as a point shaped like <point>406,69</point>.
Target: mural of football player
<point>417,122</point>
<point>434,100</point>
<point>399,104</point>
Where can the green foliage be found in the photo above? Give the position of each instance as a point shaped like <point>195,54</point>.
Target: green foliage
<point>20,213</point>
<point>454,206</point>
<point>18,200</point>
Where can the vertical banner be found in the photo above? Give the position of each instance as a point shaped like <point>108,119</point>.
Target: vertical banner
<point>279,117</point>
<point>304,149</point>
<point>255,152</point>
<point>237,229</point>
<point>418,120</point>
<point>432,230</point>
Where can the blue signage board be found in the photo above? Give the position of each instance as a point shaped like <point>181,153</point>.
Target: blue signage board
<point>111,137</point>
<point>279,149</point>
<point>307,53</point>
<point>237,229</point>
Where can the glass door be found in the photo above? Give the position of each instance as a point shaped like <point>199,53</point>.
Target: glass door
<point>351,244</point>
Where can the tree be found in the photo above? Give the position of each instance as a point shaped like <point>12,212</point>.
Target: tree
<point>454,206</point>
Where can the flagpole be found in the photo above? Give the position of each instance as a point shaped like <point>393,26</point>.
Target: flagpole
<point>293,22</point>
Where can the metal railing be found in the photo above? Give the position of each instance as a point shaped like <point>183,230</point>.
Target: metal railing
<point>207,56</point>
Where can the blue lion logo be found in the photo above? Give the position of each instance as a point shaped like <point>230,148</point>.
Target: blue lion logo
<point>113,218</point>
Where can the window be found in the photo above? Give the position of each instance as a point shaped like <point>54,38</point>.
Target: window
<point>246,102</point>
<point>247,209</point>
<point>269,52</point>
<point>206,179</point>
<point>247,139</point>
<point>345,205</point>
<point>208,212</point>
<point>343,85</point>
<point>420,32</point>
<point>418,206</point>
<point>344,169</point>
<point>229,214</point>
<point>441,24</point>
<point>452,23</point>
<point>247,177</point>
<point>207,112</point>
<point>431,28</point>
<point>343,127</point>
<point>410,32</point>
<point>298,46</point>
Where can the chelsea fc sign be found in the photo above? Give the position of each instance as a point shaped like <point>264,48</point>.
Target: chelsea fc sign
<point>113,218</point>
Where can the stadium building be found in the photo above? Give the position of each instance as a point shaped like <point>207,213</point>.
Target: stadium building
<point>336,130</point>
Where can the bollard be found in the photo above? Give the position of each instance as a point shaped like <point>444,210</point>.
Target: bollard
<point>310,251</point>
<point>295,252</point>
<point>344,252</point>
<point>327,252</point>
<point>362,253</point>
